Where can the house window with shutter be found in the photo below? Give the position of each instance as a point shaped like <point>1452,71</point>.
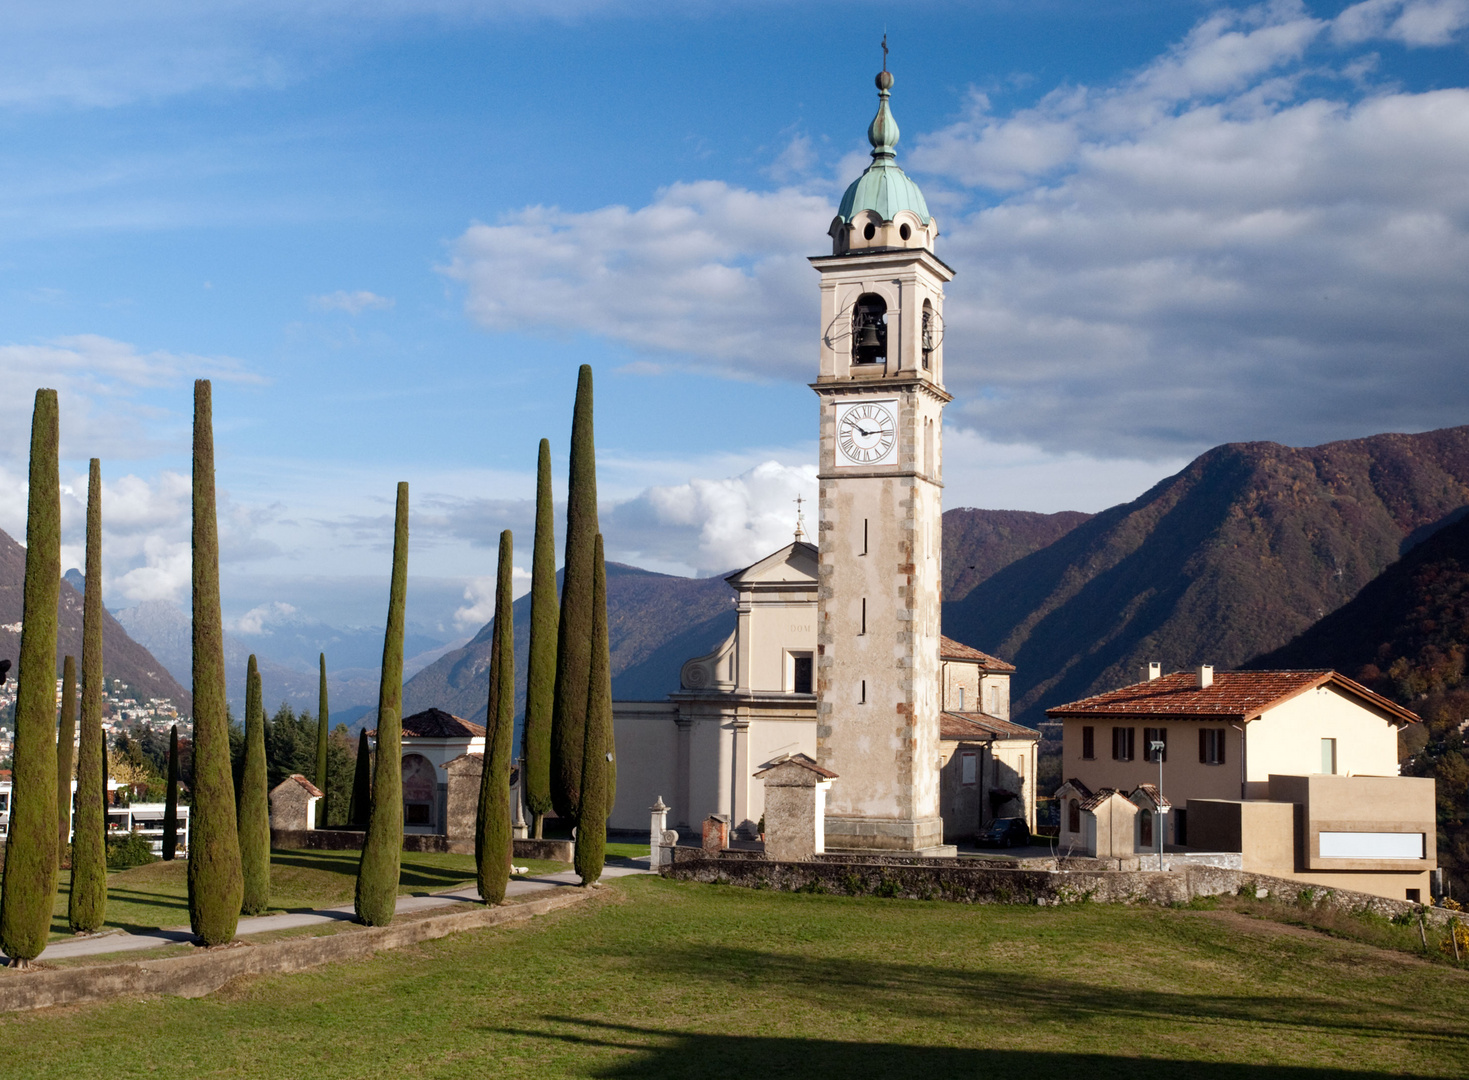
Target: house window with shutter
<point>1088,743</point>
<point>1211,746</point>
<point>1123,743</point>
<point>1150,736</point>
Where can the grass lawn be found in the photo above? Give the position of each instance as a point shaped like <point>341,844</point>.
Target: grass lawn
<point>148,897</point>
<point>665,979</point>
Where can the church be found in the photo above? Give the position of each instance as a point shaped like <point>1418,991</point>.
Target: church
<point>837,652</point>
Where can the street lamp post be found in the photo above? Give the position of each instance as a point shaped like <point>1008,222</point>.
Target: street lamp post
<point>1158,746</point>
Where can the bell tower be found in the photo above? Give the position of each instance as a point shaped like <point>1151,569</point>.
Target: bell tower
<point>882,396</point>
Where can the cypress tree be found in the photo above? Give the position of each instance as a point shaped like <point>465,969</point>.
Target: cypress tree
<point>591,823</point>
<point>540,683</point>
<point>171,799</point>
<point>382,847</point>
<point>66,734</point>
<point>574,632</point>
<point>253,807</point>
<point>87,906</point>
<point>30,848</point>
<point>216,885</point>
<point>360,808</point>
<point>492,835</point>
<point>322,730</point>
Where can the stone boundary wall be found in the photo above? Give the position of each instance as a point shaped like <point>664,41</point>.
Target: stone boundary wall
<point>984,882</point>
<point>206,970</point>
<point>351,840</point>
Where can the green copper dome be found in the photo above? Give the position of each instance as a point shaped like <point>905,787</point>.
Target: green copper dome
<point>883,188</point>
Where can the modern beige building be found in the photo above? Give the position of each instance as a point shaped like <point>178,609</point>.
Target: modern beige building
<point>1297,771</point>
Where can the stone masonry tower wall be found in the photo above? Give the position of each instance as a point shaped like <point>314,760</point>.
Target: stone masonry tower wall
<point>881,456</point>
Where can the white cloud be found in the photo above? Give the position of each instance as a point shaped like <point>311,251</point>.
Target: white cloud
<point>708,272</point>
<point>353,303</point>
<point>1203,251</point>
<point>479,598</point>
<point>713,526</point>
<point>263,618</point>
<point>1412,22</point>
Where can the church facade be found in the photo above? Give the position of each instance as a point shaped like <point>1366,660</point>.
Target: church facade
<point>838,653</point>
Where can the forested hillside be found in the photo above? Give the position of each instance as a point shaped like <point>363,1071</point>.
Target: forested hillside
<point>1236,554</point>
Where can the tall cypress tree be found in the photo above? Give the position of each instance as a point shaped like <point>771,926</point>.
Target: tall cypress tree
<point>322,730</point>
<point>253,808</point>
<point>574,633</point>
<point>171,799</point>
<point>30,847</point>
<point>359,809</point>
<point>87,906</point>
<point>591,824</point>
<point>382,847</point>
<point>216,886</point>
<point>540,682</point>
<point>492,836</point>
<point>66,734</point>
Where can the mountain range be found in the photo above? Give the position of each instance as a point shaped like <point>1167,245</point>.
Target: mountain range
<point>1233,556</point>
<point>122,657</point>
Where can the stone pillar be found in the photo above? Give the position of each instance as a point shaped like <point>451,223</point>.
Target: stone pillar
<point>716,832</point>
<point>657,826</point>
<point>795,808</point>
<point>518,830</point>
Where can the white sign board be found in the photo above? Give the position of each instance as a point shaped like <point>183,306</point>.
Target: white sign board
<point>1371,845</point>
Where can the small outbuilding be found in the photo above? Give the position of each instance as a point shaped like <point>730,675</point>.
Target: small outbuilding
<point>293,803</point>
<point>795,807</point>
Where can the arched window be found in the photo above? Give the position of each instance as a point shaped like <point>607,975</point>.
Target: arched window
<point>869,329</point>
<point>1145,828</point>
<point>1073,816</point>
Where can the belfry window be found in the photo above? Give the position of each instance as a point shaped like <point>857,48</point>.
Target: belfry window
<point>869,330</point>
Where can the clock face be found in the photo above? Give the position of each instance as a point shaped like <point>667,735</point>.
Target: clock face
<point>867,433</point>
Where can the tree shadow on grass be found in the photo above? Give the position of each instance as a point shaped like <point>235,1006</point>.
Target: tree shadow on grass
<point>414,875</point>
<point>650,1052</point>
<point>962,994</point>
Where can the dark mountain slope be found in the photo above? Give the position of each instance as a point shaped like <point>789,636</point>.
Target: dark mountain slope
<point>1236,554</point>
<point>122,657</point>
<point>655,623</point>
<point>978,543</point>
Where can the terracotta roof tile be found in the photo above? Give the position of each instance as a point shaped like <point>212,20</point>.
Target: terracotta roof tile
<point>1101,796</point>
<point>949,649</point>
<point>980,727</point>
<point>437,724</point>
<point>803,761</point>
<point>311,789</point>
<point>1153,794</point>
<point>1234,695</point>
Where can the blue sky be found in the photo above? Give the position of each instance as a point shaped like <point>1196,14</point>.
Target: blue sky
<point>390,232</point>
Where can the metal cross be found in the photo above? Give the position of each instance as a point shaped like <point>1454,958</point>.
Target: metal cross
<point>884,50</point>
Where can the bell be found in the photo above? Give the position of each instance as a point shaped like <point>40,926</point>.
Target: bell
<point>867,337</point>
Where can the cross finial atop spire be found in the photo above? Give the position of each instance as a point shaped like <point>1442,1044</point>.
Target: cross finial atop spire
<point>884,50</point>
<point>800,521</point>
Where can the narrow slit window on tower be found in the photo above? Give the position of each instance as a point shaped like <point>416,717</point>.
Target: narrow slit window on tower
<point>929,335</point>
<point>863,699</point>
<point>864,615</point>
<point>869,329</point>
<point>864,536</point>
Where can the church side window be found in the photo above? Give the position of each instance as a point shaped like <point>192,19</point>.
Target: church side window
<point>969,769</point>
<point>801,673</point>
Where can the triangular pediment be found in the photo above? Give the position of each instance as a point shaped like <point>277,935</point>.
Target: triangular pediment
<point>795,564</point>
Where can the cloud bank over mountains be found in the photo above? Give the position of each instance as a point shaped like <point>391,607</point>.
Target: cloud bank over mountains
<point>1249,237</point>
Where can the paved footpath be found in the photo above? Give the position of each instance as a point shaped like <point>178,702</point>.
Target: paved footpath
<point>104,944</point>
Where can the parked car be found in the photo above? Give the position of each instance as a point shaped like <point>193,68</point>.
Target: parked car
<point>1004,832</point>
